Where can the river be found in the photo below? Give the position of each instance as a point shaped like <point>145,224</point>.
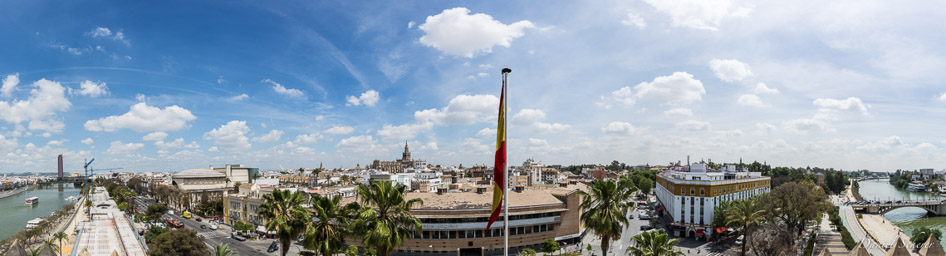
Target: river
<point>16,213</point>
<point>908,218</point>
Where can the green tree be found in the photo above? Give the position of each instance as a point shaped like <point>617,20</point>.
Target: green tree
<point>351,251</point>
<point>921,234</point>
<point>384,222</point>
<point>327,235</point>
<point>645,185</point>
<point>795,203</point>
<point>177,242</point>
<point>154,232</point>
<point>60,236</point>
<point>34,251</point>
<point>285,215</point>
<point>88,208</point>
<point>223,249</point>
<point>527,252</point>
<point>653,243</point>
<point>550,246</point>
<point>604,206</point>
<point>745,213</point>
<point>155,211</point>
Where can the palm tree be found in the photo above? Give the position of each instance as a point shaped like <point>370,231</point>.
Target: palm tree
<point>88,208</point>
<point>604,206</point>
<point>285,214</point>
<point>34,251</point>
<point>60,236</point>
<point>327,234</point>
<point>653,243</point>
<point>745,213</point>
<point>51,244</point>
<point>223,249</point>
<point>385,220</point>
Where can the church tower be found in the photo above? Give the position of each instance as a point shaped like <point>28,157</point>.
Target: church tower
<point>406,157</point>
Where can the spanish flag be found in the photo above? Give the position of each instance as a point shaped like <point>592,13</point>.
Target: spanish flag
<point>499,166</point>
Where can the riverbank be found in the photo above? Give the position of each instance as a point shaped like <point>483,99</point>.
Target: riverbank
<point>6,194</point>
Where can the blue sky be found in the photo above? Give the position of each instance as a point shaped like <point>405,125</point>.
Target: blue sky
<point>176,85</point>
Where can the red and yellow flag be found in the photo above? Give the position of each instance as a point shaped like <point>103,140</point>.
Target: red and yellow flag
<point>499,166</point>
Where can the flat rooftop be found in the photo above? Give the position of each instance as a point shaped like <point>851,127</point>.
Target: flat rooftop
<point>531,196</point>
<point>109,231</point>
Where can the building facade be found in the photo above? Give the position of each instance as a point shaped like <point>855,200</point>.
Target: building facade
<point>398,166</point>
<point>687,199</point>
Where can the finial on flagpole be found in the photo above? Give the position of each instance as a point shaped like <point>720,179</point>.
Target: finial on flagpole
<point>507,70</point>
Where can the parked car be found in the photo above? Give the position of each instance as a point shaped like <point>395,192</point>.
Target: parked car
<point>198,219</point>
<point>237,237</point>
<point>630,216</point>
<point>646,227</point>
<point>203,226</point>
<point>273,247</point>
<point>213,226</point>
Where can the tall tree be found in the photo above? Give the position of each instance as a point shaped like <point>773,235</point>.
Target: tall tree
<point>88,208</point>
<point>645,185</point>
<point>285,214</point>
<point>327,234</point>
<point>60,236</point>
<point>384,222</point>
<point>604,206</point>
<point>653,243</point>
<point>795,203</point>
<point>223,249</point>
<point>745,213</point>
<point>155,211</point>
<point>177,242</point>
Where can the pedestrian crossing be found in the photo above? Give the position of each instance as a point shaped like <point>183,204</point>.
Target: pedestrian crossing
<point>212,234</point>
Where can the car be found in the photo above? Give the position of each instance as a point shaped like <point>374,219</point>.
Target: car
<point>273,247</point>
<point>213,227</point>
<point>646,227</point>
<point>203,226</point>
<point>198,219</point>
<point>630,216</point>
<point>237,237</point>
<point>740,239</point>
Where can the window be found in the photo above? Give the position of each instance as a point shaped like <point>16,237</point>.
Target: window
<point>702,192</point>
<point>692,191</point>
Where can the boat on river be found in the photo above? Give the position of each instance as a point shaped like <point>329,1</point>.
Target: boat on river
<point>32,200</point>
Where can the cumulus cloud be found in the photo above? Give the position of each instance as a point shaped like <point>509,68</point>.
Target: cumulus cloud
<point>230,136</point>
<point>807,125</point>
<point>39,109</point>
<point>620,128</point>
<point>730,70</point>
<point>238,97</point>
<point>831,109</point>
<point>177,143</point>
<point>403,132</point>
<point>942,97</point>
<point>142,118</point>
<point>764,89</point>
<point>766,127</point>
<point>272,136</point>
<point>92,89</point>
<point>456,32</point>
<point>486,132</point>
<point>87,141</point>
<point>533,118</point>
<point>368,98</point>
<point>750,100</point>
<point>103,32</point>
<point>339,130</point>
<point>693,125</point>
<point>678,88</point>
<point>706,15</point>
<point>462,109</point>
<point>311,138</point>
<point>634,20</point>
<point>155,136</point>
<point>278,88</point>
<point>679,112</point>
<point>121,149</point>
<point>9,84</point>
<point>359,144</point>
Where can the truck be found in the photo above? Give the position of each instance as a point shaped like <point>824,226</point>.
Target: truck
<point>186,215</point>
<point>174,223</point>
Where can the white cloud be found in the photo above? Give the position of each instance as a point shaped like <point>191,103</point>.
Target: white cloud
<point>807,125</point>
<point>487,133</point>
<point>120,149</point>
<point>7,145</point>
<point>213,149</point>
<point>699,14</point>
<point>272,136</point>
<point>456,32</point>
<point>230,136</point>
<point>360,144</point>
<point>471,144</point>
<point>92,89</point>
<point>766,127</point>
<point>403,132</point>
<point>831,109</point>
<point>634,20</point>
<point>177,143</point>
<point>623,96</point>
<point>942,97</point>
<point>339,130</point>
<point>462,109</point>
<point>155,136</point>
<point>730,70</point>
<point>39,109</point>
<point>88,141</point>
<point>678,88</point>
<point>411,24</point>
<point>925,147</point>
<point>57,142</point>
<point>278,88</point>
<point>9,84</point>
<point>238,97</point>
<point>764,89</point>
<point>142,117</point>
<point>141,97</point>
<point>750,100</point>
<point>533,118</point>
<point>311,138</point>
<point>620,128</point>
<point>104,32</point>
<point>693,125</point>
<point>368,98</point>
<point>679,112</point>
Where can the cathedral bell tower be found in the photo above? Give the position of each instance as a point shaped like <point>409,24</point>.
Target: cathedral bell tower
<point>406,157</point>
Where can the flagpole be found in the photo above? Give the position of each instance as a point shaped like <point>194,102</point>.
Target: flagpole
<point>505,73</point>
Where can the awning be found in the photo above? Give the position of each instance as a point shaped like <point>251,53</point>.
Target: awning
<point>262,229</point>
<point>699,232</point>
<point>721,230</point>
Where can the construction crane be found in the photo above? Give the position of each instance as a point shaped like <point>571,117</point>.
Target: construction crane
<point>86,167</point>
